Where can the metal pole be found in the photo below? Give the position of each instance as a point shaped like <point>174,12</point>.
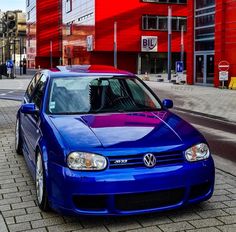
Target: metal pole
<point>20,57</point>
<point>14,50</point>
<point>169,41</point>
<point>182,43</point>
<point>51,53</point>
<point>115,44</point>
<point>3,49</point>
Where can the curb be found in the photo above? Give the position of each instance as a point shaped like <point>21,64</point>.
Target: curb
<point>3,226</point>
<point>225,165</point>
<point>218,118</point>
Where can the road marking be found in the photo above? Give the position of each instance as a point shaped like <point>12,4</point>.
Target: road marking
<point>223,135</point>
<point>11,92</point>
<point>3,94</point>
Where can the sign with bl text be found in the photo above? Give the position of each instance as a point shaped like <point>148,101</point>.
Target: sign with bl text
<point>149,44</point>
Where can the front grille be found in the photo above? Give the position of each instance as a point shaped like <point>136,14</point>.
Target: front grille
<point>129,161</point>
<point>149,200</point>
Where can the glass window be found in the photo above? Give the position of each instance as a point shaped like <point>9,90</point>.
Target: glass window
<point>167,1</point>
<point>73,95</point>
<point>39,91</point>
<point>31,87</point>
<point>150,22</point>
<point>204,3</point>
<point>68,6</point>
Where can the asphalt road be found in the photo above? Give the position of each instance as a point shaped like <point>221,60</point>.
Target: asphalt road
<point>16,95</point>
<point>221,135</point>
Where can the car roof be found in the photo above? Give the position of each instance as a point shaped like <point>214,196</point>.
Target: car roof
<point>86,70</point>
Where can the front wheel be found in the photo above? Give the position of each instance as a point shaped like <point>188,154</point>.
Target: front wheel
<point>41,192</point>
<point>18,140</point>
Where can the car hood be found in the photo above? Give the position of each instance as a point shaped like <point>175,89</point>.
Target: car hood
<point>125,130</point>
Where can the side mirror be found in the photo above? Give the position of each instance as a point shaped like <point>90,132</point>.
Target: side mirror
<point>167,103</point>
<point>29,108</point>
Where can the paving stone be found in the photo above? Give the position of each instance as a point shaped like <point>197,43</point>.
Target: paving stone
<point>28,217</point>
<point>147,229</point>
<point>121,226</point>
<point>211,213</point>
<point>64,227</point>
<point>34,209</point>
<point>152,220</point>
<point>10,220</point>
<point>228,228</point>
<point>19,227</point>
<point>97,229</point>
<point>23,205</point>
<point>208,229</point>
<point>231,203</point>
<point>47,222</point>
<point>230,211</point>
<point>184,216</point>
<point>37,230</point>
<point>13,213</point>
<point>177,226</point>
<point>206,222</point>
<point>228,219</point>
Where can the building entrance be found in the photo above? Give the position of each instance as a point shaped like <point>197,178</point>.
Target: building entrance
<point>204,69</point>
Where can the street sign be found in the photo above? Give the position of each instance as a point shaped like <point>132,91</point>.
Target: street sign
<point>9,64</point>
<point>223,65</point>
<point>223,75</point>
<point>179,66</point>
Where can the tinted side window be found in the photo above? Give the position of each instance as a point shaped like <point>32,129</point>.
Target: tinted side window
<point>32,85</point>
<point>39,91</point>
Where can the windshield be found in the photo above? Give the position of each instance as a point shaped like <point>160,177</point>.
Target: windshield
<point>80,95</point>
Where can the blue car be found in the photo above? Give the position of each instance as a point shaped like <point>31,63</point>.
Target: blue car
<point>98,141</point>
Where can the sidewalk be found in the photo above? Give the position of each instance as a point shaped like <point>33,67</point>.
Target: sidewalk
<point>213,102</point>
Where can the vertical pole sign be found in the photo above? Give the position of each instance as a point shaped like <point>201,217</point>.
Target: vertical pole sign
<point>115,44</point>
<point>223,67</point>
<point>169,41</point>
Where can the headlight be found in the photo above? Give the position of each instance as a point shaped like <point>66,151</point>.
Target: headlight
<point>86,161</point>
<point>198,152</point>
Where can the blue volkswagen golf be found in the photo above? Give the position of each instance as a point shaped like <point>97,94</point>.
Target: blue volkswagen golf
<point>98,141</point>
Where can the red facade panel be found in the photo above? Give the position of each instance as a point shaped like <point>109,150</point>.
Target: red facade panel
<point>129,24</point>
<point>48,31</point>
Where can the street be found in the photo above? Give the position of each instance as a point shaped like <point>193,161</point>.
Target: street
<point>19,211</point>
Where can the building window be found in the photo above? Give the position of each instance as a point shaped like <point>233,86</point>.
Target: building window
<point>68,6</point>
<point>204,25</point>
<point>150,22</point>
<point>69,27</point>
<point>168,1</point>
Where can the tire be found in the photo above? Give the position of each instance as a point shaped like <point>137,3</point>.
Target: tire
<point>40,183</point>
<point>18,139</point>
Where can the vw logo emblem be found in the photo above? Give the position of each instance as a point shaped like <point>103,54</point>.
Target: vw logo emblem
<point>149,160</point>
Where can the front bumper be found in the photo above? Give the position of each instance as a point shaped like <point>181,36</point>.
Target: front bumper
<point>129,191</point>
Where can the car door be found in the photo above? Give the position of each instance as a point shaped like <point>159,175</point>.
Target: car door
<point>32,122</point>
<point>25,126</point>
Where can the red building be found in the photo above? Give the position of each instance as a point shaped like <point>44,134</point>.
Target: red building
<point>82,32</point>
<point>88,36</point>
<point>44,34</point>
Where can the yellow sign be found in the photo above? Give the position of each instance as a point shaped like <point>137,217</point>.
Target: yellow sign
<point>232,84</point>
